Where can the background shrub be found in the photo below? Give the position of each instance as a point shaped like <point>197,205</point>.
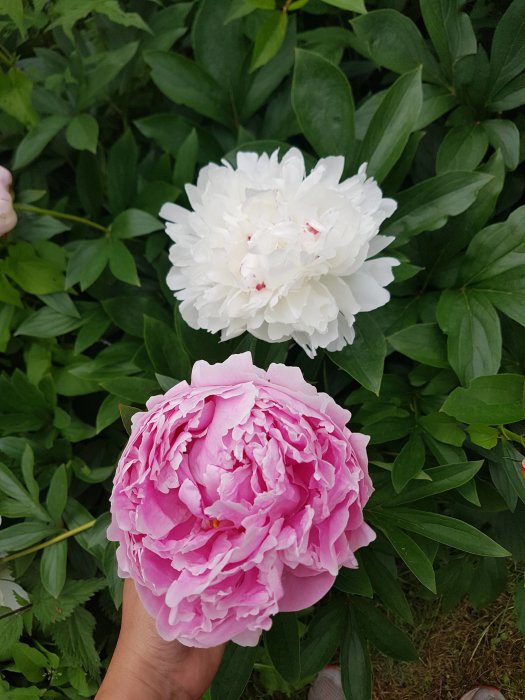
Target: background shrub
<point>107,110</point>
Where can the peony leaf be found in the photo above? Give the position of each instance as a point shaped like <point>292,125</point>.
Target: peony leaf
<point>269,39</point>
<point>428,205</point>
<point>356,667</point>
<point>323,104</point>
<point>282,642</point>
<point>507,58</point>
<point>364,359</point>
<point>399,110</point>
<point>234,672</point>
<point>384,635</point>
<point>474,333</point>
<point>394,41</point>
<point>409,462</point>
<point>446,530</point>
<point>422,342</point>
<point>463,148</point>
<point>126,412</point>
<point>488,400</point>
<point>186,83</point>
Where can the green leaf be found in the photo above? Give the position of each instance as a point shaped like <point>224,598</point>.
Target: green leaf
<point>184,82</point>
<point>11,629</point>
<point>130,317</point>
<point>34,273</point>
<point>70,12</point>
<point>364,359</point>
<point>510,96</point>
<point>474,334</point>
<point>17,537</point>
<point>509,460</point>
<point>488,400</point>
<point>220,46</point>
<point>126,412</point>
<point>165,349</point>
<point>323,104</point>
<point>428,205</point>
<point>354,581</point>
<point>57,494</point>
<point>186,161</point>
<point>395,42</point>
<point>356,668</point>
<point>488,583</point>
<point>422,342</point>
<point>122,173</point>
<point>241,8</point>
<point>443,428</point>
<point>47,323</point>
<point>450,30</point>
<point>349,5</point>
<point>385,636</point>
<point>74,639</point>
<point>410,552</point>
<point>507,292</point>
<point>11,487</point>
<point>108,413</point>
<point>268,78</point>
<point>27,464</point>
<point>269,39</point>
<point>483,435</point>
<point>463,148</point>
<point>507,58</point>
<point>53,567</point>
<point>446,530</point>
<point>234,672</point>
<point>15,97</point>
<point>87,262</point>
<point>74,593</point>
<point>134,389</point>
<point>409,462</point>
<point>82,133</point>
<point>387,587</point>
<point>443,478</point>
<point>322,636</point>
<point>400,108</point>
<point>504,134</point>
<point>495,250</point>
<point>37,139</point>
<point>282,642</point>
<point>134,222</point>
<point>122,263</point>
<point>30,661</point>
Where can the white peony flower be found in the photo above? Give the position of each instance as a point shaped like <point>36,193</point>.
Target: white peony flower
<point>270,250</point>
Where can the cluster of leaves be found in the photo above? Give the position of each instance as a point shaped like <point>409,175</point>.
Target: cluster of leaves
<point>106,111</point>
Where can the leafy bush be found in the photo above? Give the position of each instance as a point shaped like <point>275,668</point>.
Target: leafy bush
<point>107,111</point>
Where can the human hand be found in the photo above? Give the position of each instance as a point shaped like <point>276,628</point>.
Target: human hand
<point>145,667</point>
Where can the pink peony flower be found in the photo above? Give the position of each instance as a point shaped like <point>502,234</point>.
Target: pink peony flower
<point>238,496</point>
<point>8,216</point>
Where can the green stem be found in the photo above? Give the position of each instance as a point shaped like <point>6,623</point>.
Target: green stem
<point>16,611</point>
<point>60,215</point>
<point>48,543</point>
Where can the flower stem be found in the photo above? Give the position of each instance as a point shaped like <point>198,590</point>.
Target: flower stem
<point>60,215</point>
<point>48,543</point>
<point>16,611</point>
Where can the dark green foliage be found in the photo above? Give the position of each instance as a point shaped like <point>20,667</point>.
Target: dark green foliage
<point>106,112</point>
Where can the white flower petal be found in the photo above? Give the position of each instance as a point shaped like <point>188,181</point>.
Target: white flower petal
<point>270,250</point>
